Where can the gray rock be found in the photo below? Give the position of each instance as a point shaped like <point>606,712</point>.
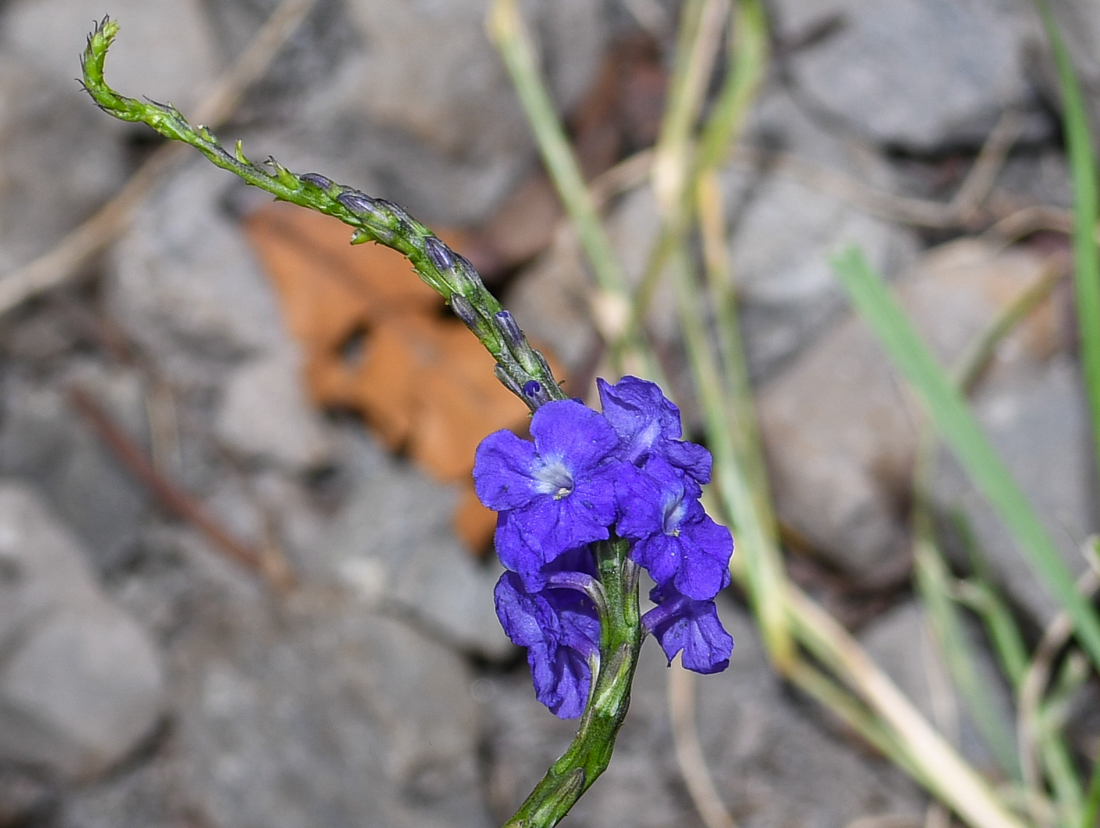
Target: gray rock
<point>185,286</point>
<point>264,414</point>
<point>22,797</point>
<point>80,682</point>
<point>781,235</point>
<point>1035,413</point>
<point>773,759</point>
<point>838,431</point>
<point>145,796</point>
<point>903,644</point>
<point>550,301</point>
<point>164,52</point>
<point>44,441</point>
<point>446,136</point>
<point>783,231</point>
<point>81,691</point>
<point>1041,176</point>
<point>59,157</point>
<point>918,74</point>
<point>772,763</point>
<point>393,542</point>
<point>326,715</point>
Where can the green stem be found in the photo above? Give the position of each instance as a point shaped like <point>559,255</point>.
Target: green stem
<point>1091,815</point>
<point>590,751</point>
<point>1086,210</point>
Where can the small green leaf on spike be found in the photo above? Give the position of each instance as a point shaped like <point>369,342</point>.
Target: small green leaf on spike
<point>285,176</point>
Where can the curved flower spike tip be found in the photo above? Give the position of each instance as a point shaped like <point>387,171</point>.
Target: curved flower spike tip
<point>372,219</point>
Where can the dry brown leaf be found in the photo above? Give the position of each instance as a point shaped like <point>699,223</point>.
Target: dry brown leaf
<point>376,340</point>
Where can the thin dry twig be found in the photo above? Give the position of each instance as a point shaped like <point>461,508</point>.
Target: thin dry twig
<point>160,410</point>
<point>965,209</point>
<point>968,794</point>
<point>689,751</point>
<point>901,209</point>
<point>1033,219</point>
<point>1037,678</point>
<point>273,567</point>
<point>979,182</point>
<point>886,821</point>
<point>66,258</point>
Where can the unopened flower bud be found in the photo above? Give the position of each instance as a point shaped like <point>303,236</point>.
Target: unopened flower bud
<point>508,327</point>
<point>357,202</point>
<point>506,380</point>
<point>464,311</point>
<point>439,254</point>
<point>317,180</point>
<point>535,391</point>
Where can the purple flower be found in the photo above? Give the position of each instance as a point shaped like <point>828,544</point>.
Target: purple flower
<point>561,632</point>
<point>674,539</point>
<point>585,477</point>
<point>681,624</point>
<point>552,495</point>
<point>648,423</point>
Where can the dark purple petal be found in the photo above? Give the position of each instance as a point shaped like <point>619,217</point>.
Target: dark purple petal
<point>524,618</point>
<point>648,424</point>
<point>691,458</point>
<point>696,561</point>
<point>551,527</point>
<point>639,412</point>
<point>658,555</point>
<point>643,497</point>
<point>674,540</point>
<point>705,550</point>
<point>680,624</point>
<point>504,468</point>
<point>573,521</point>
<point>519,552</point>
<point>569,429</point>
<point>558,493</point>
<point>638,497</point>
<point>560,631</point>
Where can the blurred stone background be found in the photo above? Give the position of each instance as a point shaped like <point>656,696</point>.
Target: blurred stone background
<point>351,672</point>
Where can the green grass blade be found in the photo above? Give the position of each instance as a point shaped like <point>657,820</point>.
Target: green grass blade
<point>1092,800</point>
<point>960,430</point>
<point>933,582</point>
<point>1086,212</point>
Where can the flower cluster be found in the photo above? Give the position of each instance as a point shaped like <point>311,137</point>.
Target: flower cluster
<point>588,477</point>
